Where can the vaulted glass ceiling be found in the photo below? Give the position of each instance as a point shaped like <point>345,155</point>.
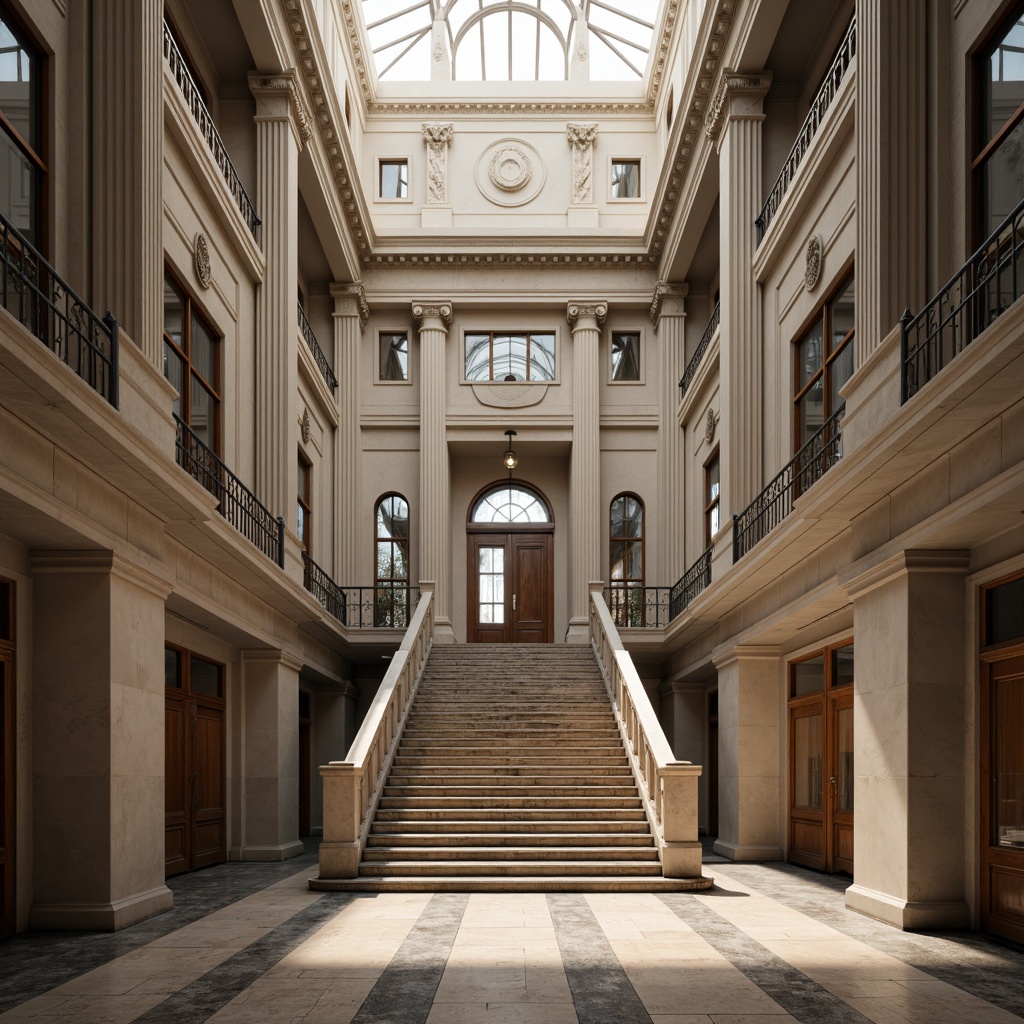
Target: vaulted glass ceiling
<point>511,40</point>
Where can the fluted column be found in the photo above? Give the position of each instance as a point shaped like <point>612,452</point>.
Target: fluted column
<point>585,512</point>
<point>434,319</point>
<point>280,123</point>
<point>350,316</point>
<point>127,168</point>
<point>735,120</point>
<point>892,119</point>
<point>668,315</point>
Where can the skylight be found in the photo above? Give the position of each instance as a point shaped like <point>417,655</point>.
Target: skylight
<point>510,40</point>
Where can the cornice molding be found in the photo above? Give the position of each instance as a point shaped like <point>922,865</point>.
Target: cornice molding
<point>730,84</point>
<point>414,108</point>
<point>661,60</point>
<point>523,260</point>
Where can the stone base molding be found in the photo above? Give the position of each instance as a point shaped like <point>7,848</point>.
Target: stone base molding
<point>101,917</point>
<point>910,915</point>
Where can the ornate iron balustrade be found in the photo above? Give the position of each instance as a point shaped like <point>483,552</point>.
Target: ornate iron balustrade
<point>775,502</point>
<point>808,130</point>
<point>705,342</point>
<point>637,607</point>
<point>318,353</point>
<point>323,588</point>
<point>38,297</point>
<point>385,606</point>
<point>208,130</point>
<point>236,503</point>
<point>690,584</point>
<point>982,289</point>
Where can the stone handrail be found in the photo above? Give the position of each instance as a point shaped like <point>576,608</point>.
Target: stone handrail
<point>352,787</point>
<point>668,786</point>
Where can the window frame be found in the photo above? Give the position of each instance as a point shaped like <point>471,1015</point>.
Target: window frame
<point>304,526</point>
<point>613,161</point>
<point>466,334</point>
<point>387,611</point>
<point>381,163</point>
<point>626,614</point>
<point>184,690</point>
<point>712,502</point>
<point>822,314</point>
<point>189,308</point>
<point>639,378</point>
<point>407,379</point>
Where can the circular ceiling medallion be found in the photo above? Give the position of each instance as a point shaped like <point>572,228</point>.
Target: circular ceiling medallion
<point>815,260</point>
<point>202,260</point>
<point>510,172</point>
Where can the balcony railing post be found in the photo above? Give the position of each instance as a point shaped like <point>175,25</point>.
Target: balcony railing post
<point>735,539</point>
<point>115,336</point>
<point>905,322</point>
<point>280,541</point>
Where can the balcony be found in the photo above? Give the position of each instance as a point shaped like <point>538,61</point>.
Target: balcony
<point>775,502</point>
<point>809,129</point>
<point>690,584</point>
<point>973,299</point>
<point>39,298</point>
<point>705,342</point>
<point>194,102</point>
<point>235,502</point>
<point>318,353</point>
<point>385,606</point>
<point>634,606</point>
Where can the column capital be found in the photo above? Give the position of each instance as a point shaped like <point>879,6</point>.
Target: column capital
<point>737,97</point>
<point>863,577</point>
<point>668,300</point>
<point>278,98</point>
<point>435,314</point>
<point>728,654</point>
<point>587,314</point>
<point>438,134</point>
<point>580,134</point>
<point>350,300</point>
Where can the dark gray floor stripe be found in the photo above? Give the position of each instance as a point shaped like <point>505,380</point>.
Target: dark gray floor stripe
<point>797,994</point>
<point>970,961</point>
<point>405,991</point>
<point>36,962</point>
<point>200,1000</point>
<point>602,992</point>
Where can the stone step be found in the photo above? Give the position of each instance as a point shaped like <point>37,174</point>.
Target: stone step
<point>447,777</point>
<point>486,793</point>
<point>537,828</point>
<point>526,867</point>
<point>564,854</point>
<point>511,802</point>
<point>520,883</point>
<point>576,760</point>
<point>469,838</point>
<point>517,815</point>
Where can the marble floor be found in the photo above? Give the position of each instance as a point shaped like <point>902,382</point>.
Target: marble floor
<point>770,943</point>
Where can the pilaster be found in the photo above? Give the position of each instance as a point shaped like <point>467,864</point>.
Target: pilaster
<point>734,120</point>
<point>127,168</point>
<point>892,119</point>
<point>433,319</point>
<point>585,319</point>
<point>668,316</point>
<point>351,314</point>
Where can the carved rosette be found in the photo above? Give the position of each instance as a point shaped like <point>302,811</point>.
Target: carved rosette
<point>510,168</point>
<point>201,255</point>
<point>815,260</point>
<point>437,137</point>
<point>306,427</point>
<point>581,138</point>
<point>709,426</point>
<point>578,311</point>
<point>425,311</point>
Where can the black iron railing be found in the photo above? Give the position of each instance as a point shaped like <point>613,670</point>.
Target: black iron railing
<point>208,130</point>
<point>982,289</point>
<point>775,502</point>
<point>34,293</point>
<point>236,503</point>
<point>690,584</point>
<point>318,353</point>
<point>323,588</point>
<point>636,606</point>
<point>705,342</point>
<point>385,606</point>
<point>820,106</point>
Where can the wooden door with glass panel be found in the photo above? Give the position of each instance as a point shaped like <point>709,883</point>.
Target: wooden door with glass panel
<point>821,759</point>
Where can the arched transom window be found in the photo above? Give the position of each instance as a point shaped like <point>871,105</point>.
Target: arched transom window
<point>626,560</point>
<point>511,503</point>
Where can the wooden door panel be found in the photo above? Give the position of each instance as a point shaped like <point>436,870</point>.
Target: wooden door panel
<point>177,852</point>
<point>489,592</point>
<point>7,793</point>
<point>209,844</point>
<point>532,585</point>
<point>840,743</point>
<point>807,828</point>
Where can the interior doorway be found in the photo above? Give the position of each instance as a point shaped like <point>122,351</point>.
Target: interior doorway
<point>510,586</point>
<point>8,735</point>
<point>821,759</point>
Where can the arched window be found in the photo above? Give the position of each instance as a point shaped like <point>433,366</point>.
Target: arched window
<point>511,503</point>
<point>626,560</point>
<point>391,553</point>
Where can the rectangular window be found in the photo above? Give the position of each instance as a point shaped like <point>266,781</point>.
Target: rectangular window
<point>394,356</point>
<point>22,185</point>
<point>626,356</point>
<point>824,363</point>
<point>190,674</point>
<point>304,523</point>
<point>393,179</point>
<point>526,356</point>
<point>625,179</point>
<point>192,363</point>
<point>712,489</point>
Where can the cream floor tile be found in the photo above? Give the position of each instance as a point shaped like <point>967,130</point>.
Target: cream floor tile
<point>497,935</point>
<point>495,974</point>
<point>272,1001</point>
<point>101,1009</point>
<point>503,1013</point>
<point>681,1018</point>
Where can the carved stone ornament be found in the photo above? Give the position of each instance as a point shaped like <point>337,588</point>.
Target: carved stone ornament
<point>306,428</point>
<point>709,426</point>
<point>815,256</point>
<point>732,84</point>
<point>437,137</point>
<point>579,310</point>
<point>581,138</point>
<point>510,168</point>
<point>432,310</point>
<point>201,255</point>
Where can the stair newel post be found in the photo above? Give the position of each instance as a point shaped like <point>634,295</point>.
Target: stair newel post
<point>343,803</point>
<point>681,852</point>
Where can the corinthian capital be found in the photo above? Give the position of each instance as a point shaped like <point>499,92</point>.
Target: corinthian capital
<point>581,134</point>
<point>438,134</point>
<point>278,97</point>
<point>737,96</point>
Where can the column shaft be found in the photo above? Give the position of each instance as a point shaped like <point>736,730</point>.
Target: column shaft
<point>671,522</point>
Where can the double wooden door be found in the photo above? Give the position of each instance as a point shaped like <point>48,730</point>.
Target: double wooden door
<point>195,821</point>
<point>1002,797</point>
<point>511,588</point>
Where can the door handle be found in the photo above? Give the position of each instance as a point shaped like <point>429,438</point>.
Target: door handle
<point>513,602</point>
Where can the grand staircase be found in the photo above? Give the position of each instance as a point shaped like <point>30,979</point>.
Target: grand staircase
<point>511,775</point>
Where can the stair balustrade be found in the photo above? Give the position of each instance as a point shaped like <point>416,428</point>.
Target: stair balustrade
<point>668,786</point>
<point>352,787</point>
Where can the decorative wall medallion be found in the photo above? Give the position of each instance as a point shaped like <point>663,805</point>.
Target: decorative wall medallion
<point>201,251</point>
<point>509,396</point>
<point>709,426</point>
<point>306,428</point>
<point>510,172</point>
<point>815,262</point>
<point>510,168</point>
